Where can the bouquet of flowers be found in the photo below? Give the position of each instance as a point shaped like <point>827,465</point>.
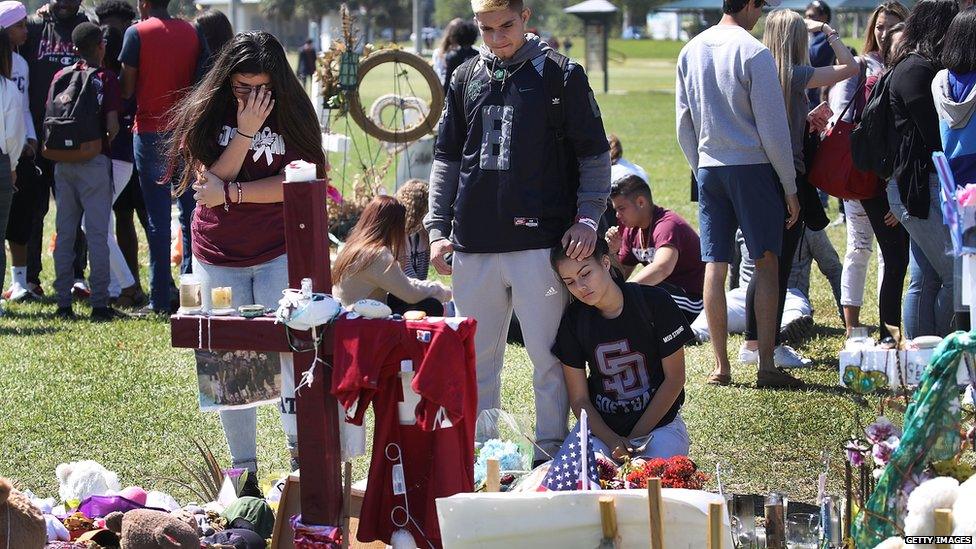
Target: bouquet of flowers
<point>506,452</point>
<point>674,472</point>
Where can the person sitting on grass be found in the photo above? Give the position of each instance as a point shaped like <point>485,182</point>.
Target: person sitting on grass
<point>630,337</point>
<point>659,239</point>
<point>366,266</point>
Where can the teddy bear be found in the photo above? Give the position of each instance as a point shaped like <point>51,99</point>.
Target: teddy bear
<point>20,520</point>
<point>938,493</point>
<point>150,529</point>
<point>81,479</point>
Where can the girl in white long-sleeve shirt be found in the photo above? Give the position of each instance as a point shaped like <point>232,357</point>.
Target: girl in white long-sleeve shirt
<point>13,104</point>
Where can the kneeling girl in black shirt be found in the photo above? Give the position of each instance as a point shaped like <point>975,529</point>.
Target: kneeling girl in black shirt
<point>630,338</point>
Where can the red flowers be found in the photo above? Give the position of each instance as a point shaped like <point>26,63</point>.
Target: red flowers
<point>674,472</point>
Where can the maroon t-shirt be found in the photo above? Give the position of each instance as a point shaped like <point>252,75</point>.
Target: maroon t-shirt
<point>667,229</point>
<point>246,234</point>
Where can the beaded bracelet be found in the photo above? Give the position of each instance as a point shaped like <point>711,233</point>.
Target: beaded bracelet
<point>226,196</point>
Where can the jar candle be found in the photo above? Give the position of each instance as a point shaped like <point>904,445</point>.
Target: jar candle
<point>221,298</point>
<point>190,295</point>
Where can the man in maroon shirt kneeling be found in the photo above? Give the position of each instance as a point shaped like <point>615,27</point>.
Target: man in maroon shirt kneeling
<point>659,239</point>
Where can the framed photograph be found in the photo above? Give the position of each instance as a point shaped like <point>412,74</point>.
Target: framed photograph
<point>237,379</point>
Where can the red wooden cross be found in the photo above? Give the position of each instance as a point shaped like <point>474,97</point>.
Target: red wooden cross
<point>307,244</point>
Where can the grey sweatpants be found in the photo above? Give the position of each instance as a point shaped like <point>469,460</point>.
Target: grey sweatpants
<point>487,287</point>
<point>83,188</point>
<point>6,198</point>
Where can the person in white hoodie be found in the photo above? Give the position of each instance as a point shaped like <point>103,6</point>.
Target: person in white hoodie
<point>12,115</point>
<point>21,209</point>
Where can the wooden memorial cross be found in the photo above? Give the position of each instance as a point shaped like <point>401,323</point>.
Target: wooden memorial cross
<point>307,245</point>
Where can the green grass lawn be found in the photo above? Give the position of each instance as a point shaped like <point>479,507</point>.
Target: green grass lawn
<point>119,394</point>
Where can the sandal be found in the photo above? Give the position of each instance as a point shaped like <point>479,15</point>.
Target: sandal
<point>717,378</point>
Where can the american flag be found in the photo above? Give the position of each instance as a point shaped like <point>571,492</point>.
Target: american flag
<point>575,456</point>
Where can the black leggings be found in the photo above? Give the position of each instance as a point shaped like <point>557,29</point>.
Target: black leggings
<point>894,248</point>
<point>791,239</point>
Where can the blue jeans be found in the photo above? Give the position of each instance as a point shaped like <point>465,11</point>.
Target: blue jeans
<point>261,284</point>
<point>151,164</point>
<point>928,307</point>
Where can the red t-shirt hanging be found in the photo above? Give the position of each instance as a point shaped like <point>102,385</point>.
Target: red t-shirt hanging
<point>245,234</point>
<point>437,453</point>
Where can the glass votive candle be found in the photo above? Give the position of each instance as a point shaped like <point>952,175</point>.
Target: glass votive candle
<point>190,295</point>
<point>221,298</point>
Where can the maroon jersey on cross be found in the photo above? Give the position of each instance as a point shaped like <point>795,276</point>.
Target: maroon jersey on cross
<point>437,452</point>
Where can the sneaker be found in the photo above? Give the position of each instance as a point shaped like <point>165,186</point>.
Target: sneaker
<point>35,291</point>
<point>65,313</point>
<point>16,293</point>
<point>131,298</point>
<point>80,290</point>
<point>748,356</point>
<point>106,314</point>
<point>797,330</point>
<point>777,379</point>
<point>785,356</point>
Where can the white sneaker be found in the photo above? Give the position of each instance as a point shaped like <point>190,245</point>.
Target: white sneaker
<point>80,290</point>
<point>748,356</point>
<point>785,356</point>
<point>16,293</point>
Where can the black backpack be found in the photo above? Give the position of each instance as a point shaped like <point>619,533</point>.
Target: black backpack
<point>874,141</point>
<point>73,129</point>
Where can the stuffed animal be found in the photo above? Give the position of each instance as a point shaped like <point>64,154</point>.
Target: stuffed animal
<point>20,520</point>
<point>81,479</point>
<point>149,529</point>
<point>938,493</point>
<point>964,510</point>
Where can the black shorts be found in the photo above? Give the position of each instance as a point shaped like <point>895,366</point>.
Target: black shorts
<point>131,196</point>
<point>33,195</point>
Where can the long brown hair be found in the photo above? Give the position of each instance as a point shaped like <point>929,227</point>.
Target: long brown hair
<point>197,119</point>
<point>889,9</point>
<point>382,225</point>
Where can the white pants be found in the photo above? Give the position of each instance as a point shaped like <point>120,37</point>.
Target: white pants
<point>796,306</point>
<point>488,287</point>
<point>860,241</point>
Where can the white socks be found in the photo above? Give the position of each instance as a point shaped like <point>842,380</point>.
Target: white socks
<point>19,276</point>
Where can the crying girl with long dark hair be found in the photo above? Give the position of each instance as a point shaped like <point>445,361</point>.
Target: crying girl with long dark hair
<point>235,134</point>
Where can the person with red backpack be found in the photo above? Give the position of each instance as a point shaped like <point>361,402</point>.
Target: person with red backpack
<point>82,119</point>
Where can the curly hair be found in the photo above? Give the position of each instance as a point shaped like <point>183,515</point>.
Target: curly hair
<point>413,196</point>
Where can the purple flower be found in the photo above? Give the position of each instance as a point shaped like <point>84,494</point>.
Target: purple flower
<point>855,452</point>
<point>881,430</point>
<point>882,451</point>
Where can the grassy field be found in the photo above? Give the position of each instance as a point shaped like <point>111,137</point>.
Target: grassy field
<point>120,395</point>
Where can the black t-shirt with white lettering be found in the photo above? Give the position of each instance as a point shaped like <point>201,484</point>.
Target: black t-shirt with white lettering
<point>624,354</point>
